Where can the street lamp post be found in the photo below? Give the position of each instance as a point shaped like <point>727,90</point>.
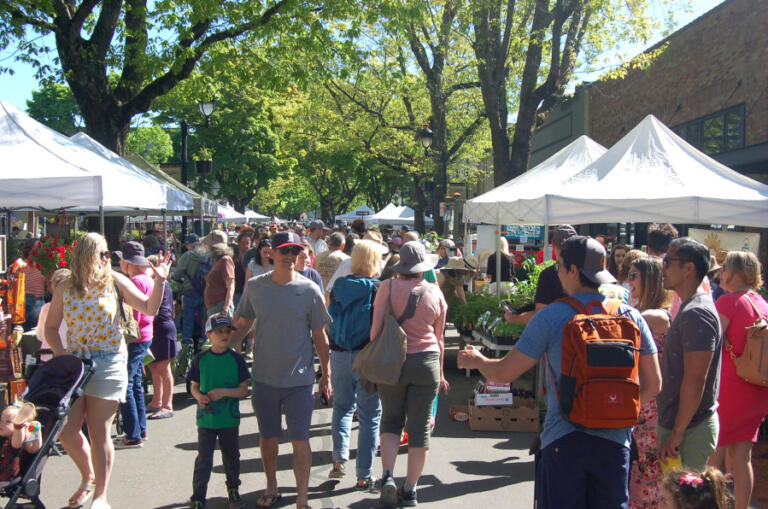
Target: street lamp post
<point>206,108</point>
<point>425,135</point>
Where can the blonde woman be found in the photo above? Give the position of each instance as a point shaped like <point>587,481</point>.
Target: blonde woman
<point>742,406</point>
<point>629,259</point>
<point>351,302</point>
<point>653,301</point>
<point>87,303</point>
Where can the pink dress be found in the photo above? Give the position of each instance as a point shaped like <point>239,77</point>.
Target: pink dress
<point>742,406</point>
<point>645,473</point>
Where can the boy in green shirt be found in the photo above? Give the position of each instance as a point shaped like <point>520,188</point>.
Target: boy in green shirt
<point>219,379</point>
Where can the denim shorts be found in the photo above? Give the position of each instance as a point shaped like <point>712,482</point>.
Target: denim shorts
<point>110,379</point>
<point>270,402</point>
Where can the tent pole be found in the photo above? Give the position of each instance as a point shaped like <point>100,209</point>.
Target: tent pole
<point>165,233</point>
<point>101,219</point>
<point>547,250</point>
<point>498,253</point>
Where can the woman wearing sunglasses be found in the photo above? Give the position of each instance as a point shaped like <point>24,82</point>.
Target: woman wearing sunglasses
<point>644,279</point>
<point>87,302</point>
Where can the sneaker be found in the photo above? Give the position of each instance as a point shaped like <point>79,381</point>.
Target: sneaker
<point>196,504</point>
<point>235,502</point>
<point>388,496</point>
<point>408,499</point>
<point>367,484</point>
<point>338,470</point>
<point>128,443</point>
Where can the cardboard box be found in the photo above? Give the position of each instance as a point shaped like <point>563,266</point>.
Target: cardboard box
<point>524,417</point>
<point>491,386</point>
<point>460,413</point>
<point>494,399</point>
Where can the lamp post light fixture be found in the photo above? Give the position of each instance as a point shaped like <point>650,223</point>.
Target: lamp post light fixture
<point>206,108</point>
<point>425,136</point>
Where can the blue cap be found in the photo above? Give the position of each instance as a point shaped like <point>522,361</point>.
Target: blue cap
<point>192,238</point>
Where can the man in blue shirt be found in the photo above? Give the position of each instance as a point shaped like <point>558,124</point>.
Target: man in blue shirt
<point>579,467</point>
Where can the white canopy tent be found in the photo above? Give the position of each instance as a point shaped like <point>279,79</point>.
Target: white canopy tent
<point>397,215</point>
<point>520,198</point>
<point>255,216</point>
<point>45,170</point>
<point>651,174</point>
<point>229,214</point>
<point>176,200</point>
<point>362,212</point>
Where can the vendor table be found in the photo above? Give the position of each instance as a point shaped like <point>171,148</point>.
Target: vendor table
<point>497,350</point>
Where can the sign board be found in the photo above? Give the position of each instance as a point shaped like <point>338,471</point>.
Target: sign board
<point>362,213</point>
<point>717,240</point>
<point>527,231</point>
<point>486,237</point>
<point>3,250</point>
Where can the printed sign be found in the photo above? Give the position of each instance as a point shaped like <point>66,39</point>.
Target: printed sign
<point>717,240</point>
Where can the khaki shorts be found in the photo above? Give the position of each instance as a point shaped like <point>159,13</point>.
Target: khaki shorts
<point>699,442</point>
<point>110,379</point>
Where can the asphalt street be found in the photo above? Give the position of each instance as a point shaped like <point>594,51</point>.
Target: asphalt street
<point>465,468</point>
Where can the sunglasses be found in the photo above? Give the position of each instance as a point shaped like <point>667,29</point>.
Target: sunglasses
<point>665,263</point>
<point>105,255</point>
<point>632,275</point>
<point>294,250</point>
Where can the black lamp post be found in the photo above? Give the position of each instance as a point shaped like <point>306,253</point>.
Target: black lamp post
<point>425,135</point>
<point>206,108</point>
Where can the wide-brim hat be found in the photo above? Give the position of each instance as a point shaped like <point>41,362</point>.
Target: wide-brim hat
<point>713,266</point>
<point>376,238</point>
<point>459,263</point>
<point>133,253</point>
<point>215,237</point>
<point>414,259</point>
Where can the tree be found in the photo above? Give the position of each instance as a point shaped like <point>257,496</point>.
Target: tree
<point>55,106</point>
<point>153,143</point>
<point>536,45</point>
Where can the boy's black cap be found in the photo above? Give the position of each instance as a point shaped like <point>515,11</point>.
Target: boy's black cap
<point>216,322</point>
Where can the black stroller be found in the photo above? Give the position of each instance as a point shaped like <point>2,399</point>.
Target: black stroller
<point>53,388</point>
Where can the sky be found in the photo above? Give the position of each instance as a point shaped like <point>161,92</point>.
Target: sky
<point>17,88</point>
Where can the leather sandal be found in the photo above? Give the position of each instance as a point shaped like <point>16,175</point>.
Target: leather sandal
<point>81,496</point>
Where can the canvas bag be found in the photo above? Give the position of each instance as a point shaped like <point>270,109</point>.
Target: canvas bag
<point>599,382</point>
<point>382,359</point>
<point>752,364</point>
<point>129,326</point>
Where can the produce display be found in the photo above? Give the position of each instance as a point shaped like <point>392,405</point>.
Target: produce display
<point>485,313</point>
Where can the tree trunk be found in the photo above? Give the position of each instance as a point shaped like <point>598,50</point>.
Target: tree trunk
<point>522,141</point>
<point>439,128</point>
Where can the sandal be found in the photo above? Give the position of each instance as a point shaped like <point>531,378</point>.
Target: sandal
<point>268,499</point>
<point>81,496</point>
<point>338,471</point>
<point>26,413</point>
<point>366,484</point>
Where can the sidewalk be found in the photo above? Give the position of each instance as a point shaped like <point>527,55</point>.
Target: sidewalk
<point>464,469</point>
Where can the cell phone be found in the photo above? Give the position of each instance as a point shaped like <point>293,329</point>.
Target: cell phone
<point>323,399</point>
<point>509,308</point>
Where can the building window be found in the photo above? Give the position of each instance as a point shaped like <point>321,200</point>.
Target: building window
<point>715,133</point>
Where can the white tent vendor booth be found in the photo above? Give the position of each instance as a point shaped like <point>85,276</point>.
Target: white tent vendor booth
<point>255,216</point>
<point>362,212</point>
<point>229,214</point>
<point>45,170</point>
<point>397,215</point>
<point>651,174</point>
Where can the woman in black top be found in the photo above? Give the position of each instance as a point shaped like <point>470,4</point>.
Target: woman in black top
<point>506,263</point>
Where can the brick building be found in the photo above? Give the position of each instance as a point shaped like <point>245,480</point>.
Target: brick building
<point>710,85</point>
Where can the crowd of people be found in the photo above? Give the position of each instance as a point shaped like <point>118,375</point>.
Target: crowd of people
<point>283,296</point>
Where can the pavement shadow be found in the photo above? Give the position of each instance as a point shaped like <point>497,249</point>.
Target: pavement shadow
<point>251,440</point>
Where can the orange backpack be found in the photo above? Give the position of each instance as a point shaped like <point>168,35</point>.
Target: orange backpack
<point>599,382</point>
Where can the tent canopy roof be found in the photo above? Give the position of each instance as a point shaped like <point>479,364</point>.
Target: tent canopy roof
<point>651,174</point>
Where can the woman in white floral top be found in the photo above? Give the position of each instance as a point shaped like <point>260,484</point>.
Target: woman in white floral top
<point>88,305</point>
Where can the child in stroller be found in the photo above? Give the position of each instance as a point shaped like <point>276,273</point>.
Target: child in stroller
<point>51,390</point>
<point>19,432</point>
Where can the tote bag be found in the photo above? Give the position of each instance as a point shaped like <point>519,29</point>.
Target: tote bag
<point>752,364</point>
<point>382,359</point>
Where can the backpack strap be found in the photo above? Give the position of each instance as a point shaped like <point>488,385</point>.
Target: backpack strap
<point>120,302</point>
<point>413,301</point>
<point>575,304</point>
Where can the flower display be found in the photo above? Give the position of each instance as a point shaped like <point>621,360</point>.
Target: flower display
<point>49,254</point>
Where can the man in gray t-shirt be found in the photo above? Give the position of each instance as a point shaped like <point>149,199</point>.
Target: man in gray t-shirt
<point>690,362</point>
<point>287,312</point>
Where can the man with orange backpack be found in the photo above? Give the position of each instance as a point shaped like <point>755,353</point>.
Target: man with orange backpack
<point>600,363</point>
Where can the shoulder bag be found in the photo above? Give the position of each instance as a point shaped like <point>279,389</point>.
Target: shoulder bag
<point>382,359</point>
<point>752,364</point>
<point>129,326</point>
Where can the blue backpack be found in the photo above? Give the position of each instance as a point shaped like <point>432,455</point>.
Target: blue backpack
<point>351,307</point>
<point>198,279</point>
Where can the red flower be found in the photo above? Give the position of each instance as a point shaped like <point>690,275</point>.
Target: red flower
<point>50,255</point>
<point>61,250</point>
<point>62,263</point>
<point>45,239</point>
<point>37,266</point>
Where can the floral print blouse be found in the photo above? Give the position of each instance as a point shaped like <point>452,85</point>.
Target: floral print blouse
<point>91,320</point>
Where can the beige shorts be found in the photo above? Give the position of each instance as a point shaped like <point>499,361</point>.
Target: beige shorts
<point>110,380</point>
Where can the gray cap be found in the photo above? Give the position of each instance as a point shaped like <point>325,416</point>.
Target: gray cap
<point>317,225</point>
<point>414,259</point>
<point>447,243</point>
<point>132,252</point>
<point>561,233</point>
<point>589,256</point>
